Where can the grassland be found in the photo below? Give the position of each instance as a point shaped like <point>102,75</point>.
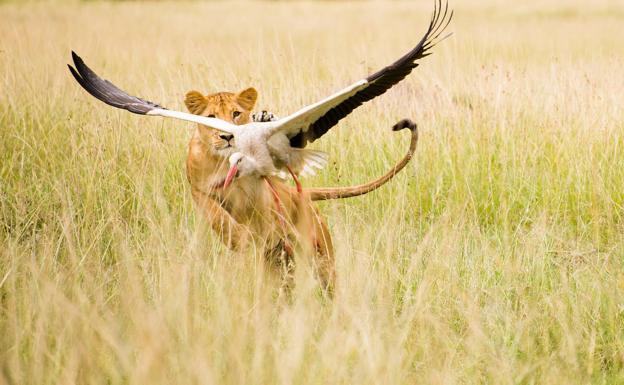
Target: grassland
<point>496,257</point>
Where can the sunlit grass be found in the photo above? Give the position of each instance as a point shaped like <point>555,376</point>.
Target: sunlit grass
<point>497,256</point>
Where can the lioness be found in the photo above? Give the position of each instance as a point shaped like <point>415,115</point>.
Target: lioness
<point>277,219</point>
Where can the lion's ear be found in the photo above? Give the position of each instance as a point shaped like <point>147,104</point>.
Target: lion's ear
<point>195,102</point>
<point>247,98</point>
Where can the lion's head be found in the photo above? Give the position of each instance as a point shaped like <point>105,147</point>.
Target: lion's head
<point>232,107</point>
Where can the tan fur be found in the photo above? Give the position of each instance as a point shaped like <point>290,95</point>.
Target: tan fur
<point>247,213</point>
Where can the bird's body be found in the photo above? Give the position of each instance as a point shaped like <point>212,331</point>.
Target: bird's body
<point>278,146</point>
<point>253,141</point>
<point>271,154</point>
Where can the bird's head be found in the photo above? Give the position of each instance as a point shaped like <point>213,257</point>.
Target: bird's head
<point>240,165</point>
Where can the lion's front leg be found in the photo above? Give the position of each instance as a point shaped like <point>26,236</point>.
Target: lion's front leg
<point>235,235</point>
<point>324,258</point>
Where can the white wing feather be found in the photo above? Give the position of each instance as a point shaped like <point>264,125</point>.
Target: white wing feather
<point>217,124</point>
<point>301,120</point>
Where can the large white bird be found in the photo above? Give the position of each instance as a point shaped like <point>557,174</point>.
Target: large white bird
<point>278,145</point>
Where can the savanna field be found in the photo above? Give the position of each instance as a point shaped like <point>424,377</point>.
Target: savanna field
<point>495,257</point>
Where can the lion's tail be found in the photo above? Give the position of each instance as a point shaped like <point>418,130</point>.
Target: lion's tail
<point>319,194</point>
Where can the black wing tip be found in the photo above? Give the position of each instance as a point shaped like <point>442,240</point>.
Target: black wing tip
<point>106,91</point>
<point>81,67</point>
<point>81,77</point>
<point>77,60</point>
<point>73,71</point>
<point>439,22</point>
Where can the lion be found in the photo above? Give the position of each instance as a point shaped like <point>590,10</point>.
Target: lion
<point>275,217</point>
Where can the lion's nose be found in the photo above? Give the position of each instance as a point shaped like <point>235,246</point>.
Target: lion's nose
<point>226,137</point>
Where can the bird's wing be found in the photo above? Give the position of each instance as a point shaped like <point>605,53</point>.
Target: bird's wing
<point>312,122</point>
<point>113,96</point>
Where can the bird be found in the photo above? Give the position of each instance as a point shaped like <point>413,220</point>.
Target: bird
<point>274,147</point>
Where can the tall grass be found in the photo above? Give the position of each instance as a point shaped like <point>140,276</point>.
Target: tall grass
<point>496,257</point>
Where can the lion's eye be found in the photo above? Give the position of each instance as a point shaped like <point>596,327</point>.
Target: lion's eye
<point>211,116</point>
<point>235,114</point>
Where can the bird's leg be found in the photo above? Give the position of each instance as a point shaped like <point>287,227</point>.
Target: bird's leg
<point>297,183</point>
<point>276,197</point>
<point>280,213</point>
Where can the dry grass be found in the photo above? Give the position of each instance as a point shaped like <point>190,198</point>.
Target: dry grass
<point>497,257</point>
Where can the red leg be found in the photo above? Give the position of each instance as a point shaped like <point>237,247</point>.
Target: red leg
<point>276,198</point>
<point>280,214</point>
<point>297,183</point>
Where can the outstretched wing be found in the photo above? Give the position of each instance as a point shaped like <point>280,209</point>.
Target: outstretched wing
<point>312,122</point>
<point>112,95</point>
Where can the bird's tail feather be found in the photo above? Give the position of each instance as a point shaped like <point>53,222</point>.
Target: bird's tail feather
<point>310,161</point>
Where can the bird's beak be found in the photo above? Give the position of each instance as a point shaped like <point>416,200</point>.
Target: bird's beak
<point>230,175</point>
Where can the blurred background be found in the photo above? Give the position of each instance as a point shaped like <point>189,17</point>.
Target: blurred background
<point>495,257</point>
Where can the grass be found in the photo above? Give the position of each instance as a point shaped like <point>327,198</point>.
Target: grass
<point>496,257</point>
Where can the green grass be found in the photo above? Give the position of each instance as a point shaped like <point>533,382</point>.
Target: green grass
<point>496,257</point>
